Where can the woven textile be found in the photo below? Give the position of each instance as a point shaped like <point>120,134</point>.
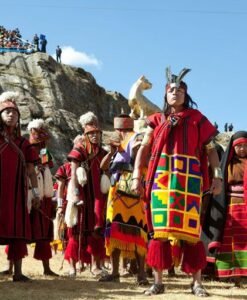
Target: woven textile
<point>176,197</point>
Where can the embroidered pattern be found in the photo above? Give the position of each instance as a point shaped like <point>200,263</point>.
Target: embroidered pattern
<point>176,197</point>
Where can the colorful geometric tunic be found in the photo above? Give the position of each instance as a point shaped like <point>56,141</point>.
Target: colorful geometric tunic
<point>126,227</point>
<point>177,173</point>
<point>231,259</point>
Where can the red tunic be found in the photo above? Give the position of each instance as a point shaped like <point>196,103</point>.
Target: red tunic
<point>14,218</point>
<point>64,173</point>
<point>94,200</point>
<point>92,214</point>
<point>41,222</point>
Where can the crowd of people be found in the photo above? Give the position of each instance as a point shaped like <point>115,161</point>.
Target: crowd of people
<point>12,41</point>
<point>141,200</point>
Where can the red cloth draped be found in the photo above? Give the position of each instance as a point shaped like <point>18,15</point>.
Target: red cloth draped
<point>191,132</point>
<point>42,250</point>
<point>194,258</point>
<point>245,182</point>
<point>41,222</point>
<point>14,218</point>
<point>159,254</point>
<point>94,200</point>
<point>17,250</point>
<point>92,214</point>
<point>64,173</point>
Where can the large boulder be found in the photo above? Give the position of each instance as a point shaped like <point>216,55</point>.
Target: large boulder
<point>59,94</point>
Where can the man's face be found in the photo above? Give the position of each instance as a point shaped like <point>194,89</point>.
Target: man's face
<point>175,97</point>
<point>10,117</point>
<point>94,137</point>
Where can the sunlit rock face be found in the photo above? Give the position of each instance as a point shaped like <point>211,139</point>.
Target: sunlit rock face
<point>59,94</point>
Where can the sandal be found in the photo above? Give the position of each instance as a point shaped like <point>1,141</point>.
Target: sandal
<point>199,291</point>
<point>110,278</point>
<point>99,273</point>
<point>157,288</point>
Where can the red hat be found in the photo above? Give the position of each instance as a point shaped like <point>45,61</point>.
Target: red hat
<point>124,122</point>
<point>8,104</point>
<point>8,100</point>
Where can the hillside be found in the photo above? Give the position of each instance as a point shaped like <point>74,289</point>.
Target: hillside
<point>59,94</point>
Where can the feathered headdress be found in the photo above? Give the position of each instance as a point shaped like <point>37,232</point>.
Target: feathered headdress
<point>176,80</point>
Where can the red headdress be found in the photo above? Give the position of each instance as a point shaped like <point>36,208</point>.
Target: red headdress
<point>8,100</point>
<point>124,122</point>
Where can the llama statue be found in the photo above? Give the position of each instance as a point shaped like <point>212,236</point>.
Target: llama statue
<point>140,106</point>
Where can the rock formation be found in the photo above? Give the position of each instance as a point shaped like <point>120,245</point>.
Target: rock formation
<point>59,94</point>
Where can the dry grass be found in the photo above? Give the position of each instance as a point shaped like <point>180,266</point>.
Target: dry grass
<point>87,287</point>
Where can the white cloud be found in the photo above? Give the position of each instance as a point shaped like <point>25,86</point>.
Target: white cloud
<point>75,58</point>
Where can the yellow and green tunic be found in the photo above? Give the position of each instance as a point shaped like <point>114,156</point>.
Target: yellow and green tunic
<point>126,227</point>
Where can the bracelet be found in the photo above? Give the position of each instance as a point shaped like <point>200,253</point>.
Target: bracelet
<point>218,173</point>
<point>59,202</point>
<point>35,192</point>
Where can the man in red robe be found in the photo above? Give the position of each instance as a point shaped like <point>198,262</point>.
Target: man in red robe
<point>180,143</point>
<point>86,222</point>
<point>17,158</point>
<point>41,220</point>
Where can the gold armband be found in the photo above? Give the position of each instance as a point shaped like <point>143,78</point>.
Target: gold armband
<point>218,173</point>
<point>210,145</point>
<point>147,136</point>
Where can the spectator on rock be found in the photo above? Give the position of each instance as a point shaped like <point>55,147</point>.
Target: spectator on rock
<point>58,54</point>
<point>226,127</point>
<point>230,127</point>
<point>36,42</point>
<point>43,43</point>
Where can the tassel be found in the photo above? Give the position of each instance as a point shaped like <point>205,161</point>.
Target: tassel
<point>105,184</point>
<point>159,255</point>
<point>194,258</point>
<point>81,176</point>
<point>48,183</point>
<point>40,183</point>
<point>71,212</point>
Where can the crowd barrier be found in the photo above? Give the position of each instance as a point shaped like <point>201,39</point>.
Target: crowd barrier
<point>20,50</point>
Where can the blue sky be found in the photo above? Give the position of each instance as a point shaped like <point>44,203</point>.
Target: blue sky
<point>118,41</point>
